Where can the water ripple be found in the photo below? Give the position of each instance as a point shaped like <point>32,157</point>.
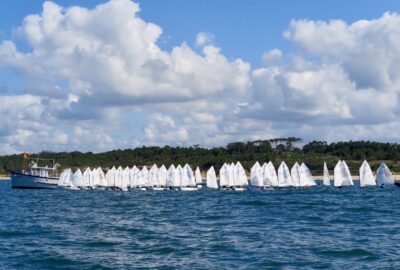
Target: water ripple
<point>320,228</point>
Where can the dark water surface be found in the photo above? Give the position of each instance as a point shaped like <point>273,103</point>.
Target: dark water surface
<point>321,228</point>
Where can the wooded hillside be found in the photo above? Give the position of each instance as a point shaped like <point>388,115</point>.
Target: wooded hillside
<point>288,149</point>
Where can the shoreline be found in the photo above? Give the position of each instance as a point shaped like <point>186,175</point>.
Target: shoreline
<point>396,177</point>
<point>5,177</point>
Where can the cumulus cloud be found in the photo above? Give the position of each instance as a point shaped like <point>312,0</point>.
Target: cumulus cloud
<point>349,90</point>
<point>96,79</point>
<point>84,62</point>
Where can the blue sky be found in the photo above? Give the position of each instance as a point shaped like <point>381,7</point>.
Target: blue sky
<point>241,28</point>
<point>221,71</point>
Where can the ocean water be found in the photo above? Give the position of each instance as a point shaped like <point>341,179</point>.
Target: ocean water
<point>322,228</point>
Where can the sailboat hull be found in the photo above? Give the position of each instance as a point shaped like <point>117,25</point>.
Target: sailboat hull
<point>188,188</point>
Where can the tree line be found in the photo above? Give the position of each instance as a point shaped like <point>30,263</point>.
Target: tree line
<point>276,150</point>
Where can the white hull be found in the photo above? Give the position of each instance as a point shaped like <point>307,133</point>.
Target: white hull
<point>239,189</point>
<point>25,181</point>
<point>188,188</point>
<point>158,188</point>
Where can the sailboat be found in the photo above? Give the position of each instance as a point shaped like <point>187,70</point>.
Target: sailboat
<point>153,177</point>
<point>199,179</point>
<point>125,183</point>
<point>102,181</point>
<point>177,177</point>
<point>170,177</point>
<point>265,175</point>
<point>326,180</point>
<point>211,181</point>
<point>143,178</point>
<point>341,175</point>
<point>240,181</point>
<point>133,176</point>
<point>110,178</point>
<point>188,182</point>
<point>284,178</point>
<point>384,176</point>
<point>162,178</point>
<point>95,183</point>
<point>306,179</point>
<point>87,175</point>
<point>295,171</point>
<point>77,179</point>
<point>366,176</point>
<point>65,178</point>
<point>271,178</point>
<point>224,176</point>
<point>119,174</point>
<point>256,176</point>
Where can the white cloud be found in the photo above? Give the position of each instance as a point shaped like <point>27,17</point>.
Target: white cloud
<point>272,57</point>
<point>96,79</point>
<point>204,38</point>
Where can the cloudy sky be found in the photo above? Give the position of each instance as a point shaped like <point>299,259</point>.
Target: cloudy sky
<point>120,74</point>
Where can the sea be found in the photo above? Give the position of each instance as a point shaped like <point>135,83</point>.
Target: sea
<point>319,228</point>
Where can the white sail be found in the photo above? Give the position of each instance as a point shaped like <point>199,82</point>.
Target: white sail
<point>192,179</point>
<point>366,176</point>
<point>170,176</point>
<point>87,177</point>
<point>153,176</point>
<point>341,175</point>
<point>240,177</point>
<point>198,177</point>
<point>211,179</point>
<point>110,177</point>
<point>143,177</point>
<point>95,179</point>
<point>102,178</point>
<point>231,175</point>
<point>119,174</point>
<point>284,178</point>
<point>348,180</point>
<point>306,178</point>
<point>177,176</point>
<point>65,178</point>
<point>224,176</point>
<point>256,175</point>
<point>337,175</point>
<point>162,176</point>
<point>187,177</point>
<point>271,177</point>
<point>125,179</point>
<point>136,176</point>
<point>295,171</point>
<point>384,176</point>
<point>326,180</point>
<point>184,177</point>
<point>264,175</point>
<point>77,179</point>
<point>132,177</point>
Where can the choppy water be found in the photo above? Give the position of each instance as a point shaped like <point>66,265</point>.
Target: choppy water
<point>284,229</point>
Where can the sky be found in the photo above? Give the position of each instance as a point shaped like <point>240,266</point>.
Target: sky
<point>100,75</point>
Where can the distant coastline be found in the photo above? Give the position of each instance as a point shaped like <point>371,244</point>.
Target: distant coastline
<point>5,177</point>
<point>290,150</point>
